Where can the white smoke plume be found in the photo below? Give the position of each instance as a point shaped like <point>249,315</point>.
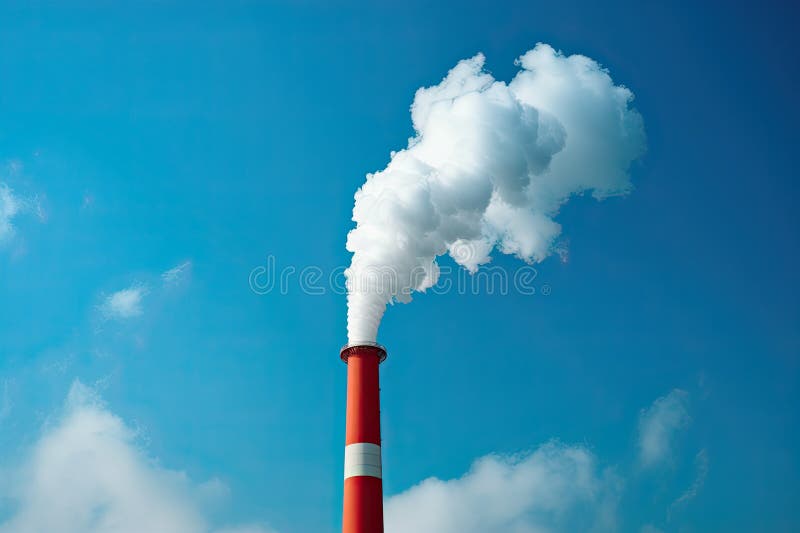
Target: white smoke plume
<point>490,166</point>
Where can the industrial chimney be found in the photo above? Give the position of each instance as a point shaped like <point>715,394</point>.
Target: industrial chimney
<point>363,487</point>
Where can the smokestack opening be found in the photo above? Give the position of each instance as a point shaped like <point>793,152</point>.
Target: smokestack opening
<point>363,346</point>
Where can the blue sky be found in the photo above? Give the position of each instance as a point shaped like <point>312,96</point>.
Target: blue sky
<point>201,139</point>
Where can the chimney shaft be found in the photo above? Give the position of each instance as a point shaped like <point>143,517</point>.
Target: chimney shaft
<point>363,487</point>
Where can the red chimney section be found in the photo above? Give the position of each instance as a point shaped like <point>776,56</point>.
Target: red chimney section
<point>363,488</point>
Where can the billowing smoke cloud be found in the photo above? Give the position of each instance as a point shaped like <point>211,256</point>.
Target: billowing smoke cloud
<point>490,166</point>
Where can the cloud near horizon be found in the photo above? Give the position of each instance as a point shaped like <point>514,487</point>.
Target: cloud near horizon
<point>86,474</point>
<point>555,488</point>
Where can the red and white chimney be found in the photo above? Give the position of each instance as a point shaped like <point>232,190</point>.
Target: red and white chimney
<point>363,488</point>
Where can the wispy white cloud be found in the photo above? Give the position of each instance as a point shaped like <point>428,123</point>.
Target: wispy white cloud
<point>701,472</point>
<point>129,302</point>
<point>123,304</point>
<point>659,425</point>
<point>13,204</point>
<point>176,274</point>
<point>555,488</point>
<point>10,206</point>
<point>87,475</point>
<point>37,206</point>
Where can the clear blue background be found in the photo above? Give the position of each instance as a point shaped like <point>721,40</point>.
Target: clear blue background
<point>224,133</point>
